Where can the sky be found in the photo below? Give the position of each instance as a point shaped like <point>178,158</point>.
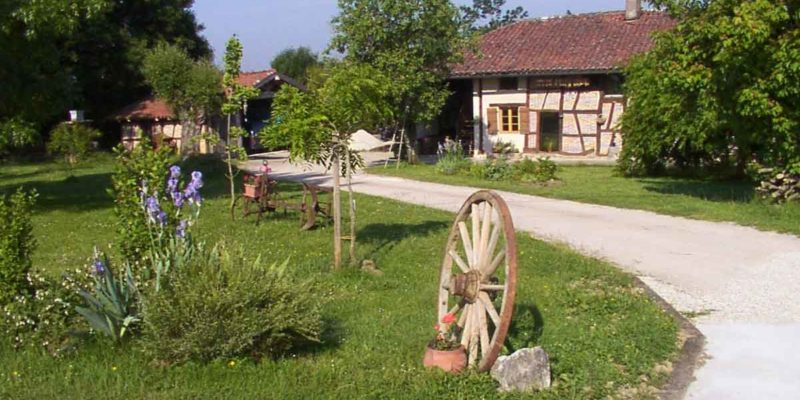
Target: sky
<point>266,27</point>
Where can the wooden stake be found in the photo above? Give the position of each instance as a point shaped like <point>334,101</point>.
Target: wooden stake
<point>337,212</point>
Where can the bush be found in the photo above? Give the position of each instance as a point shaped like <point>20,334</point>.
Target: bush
<point>452,159</point>
<point>223,305</point>
<point>503,149</point>
<point>142,165</point>
<point>498,170</point>
<point>541,170</point>
<point>44,318</point>
<point>16,244</point>
<point>73,141</point>
<point>15,133</point>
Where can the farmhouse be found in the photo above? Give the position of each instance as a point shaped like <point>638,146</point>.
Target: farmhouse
<point>554,84</point>
<point>153,118</point>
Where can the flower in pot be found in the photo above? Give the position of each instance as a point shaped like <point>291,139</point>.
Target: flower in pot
<point>445,351</point>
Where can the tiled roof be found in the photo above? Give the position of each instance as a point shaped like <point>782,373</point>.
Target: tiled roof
<point>152,108</point>
<point>146,109</point>
<point>253,78</point>
<point>597,42</point>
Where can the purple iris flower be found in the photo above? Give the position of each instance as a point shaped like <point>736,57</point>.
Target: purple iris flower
<point>177,199</point>
<point>180,230</point>
<point>172,184</point>
<point>192,191</point>
<point>175,172</point>
<point>154,211</point>
<point>161,218</point>
<point>99,267</point>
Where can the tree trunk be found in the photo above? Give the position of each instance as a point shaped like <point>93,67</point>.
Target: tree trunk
<point>352,201</point>
<point>337,212</point>
<point>230,168</point>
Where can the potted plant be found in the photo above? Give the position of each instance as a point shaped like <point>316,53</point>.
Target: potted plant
<point>444,351</point>
<point>251,183</point>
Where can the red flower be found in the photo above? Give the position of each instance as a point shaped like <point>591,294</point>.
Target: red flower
<point>436,327</point>
<point>449,318</point>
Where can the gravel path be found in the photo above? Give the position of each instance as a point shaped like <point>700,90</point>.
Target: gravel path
<point>743,284</point>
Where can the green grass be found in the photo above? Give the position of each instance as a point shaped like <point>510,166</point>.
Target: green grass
<point>602,333</point>
<point>705,199</point>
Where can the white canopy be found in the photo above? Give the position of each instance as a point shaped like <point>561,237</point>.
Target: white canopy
<point>362,140</point>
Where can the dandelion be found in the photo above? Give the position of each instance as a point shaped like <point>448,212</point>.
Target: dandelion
<point>114,368</point>
<point>231,364</point>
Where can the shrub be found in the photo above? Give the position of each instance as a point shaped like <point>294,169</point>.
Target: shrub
<point>73,141</point>
<point>498,170</point>
<point>541,170</point>
<point>44,317</point>
<point>223,305</point>
<point>15,133</point>
<point>16,244</point>
<point>452,159</point>
<point>503,149</point>
<point>142,165</point>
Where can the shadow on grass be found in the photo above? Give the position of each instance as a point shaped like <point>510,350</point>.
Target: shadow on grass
<point>717,191</point>
<point>330,339</point>
<point>385,236</point>
<point>527,326</point>
<point>73,193</point>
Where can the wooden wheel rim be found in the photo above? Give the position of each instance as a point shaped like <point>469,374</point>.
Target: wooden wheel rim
<point>481,352</point>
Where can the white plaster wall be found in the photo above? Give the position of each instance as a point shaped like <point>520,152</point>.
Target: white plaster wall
<point>491,95</point>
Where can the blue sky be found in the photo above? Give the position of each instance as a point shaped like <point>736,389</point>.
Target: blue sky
<point>266,27</point>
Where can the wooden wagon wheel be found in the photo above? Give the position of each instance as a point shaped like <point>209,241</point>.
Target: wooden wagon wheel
<point>478,277</point>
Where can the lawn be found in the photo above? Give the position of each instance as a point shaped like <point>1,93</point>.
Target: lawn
<point>603,334</point>
<point>705,199</point>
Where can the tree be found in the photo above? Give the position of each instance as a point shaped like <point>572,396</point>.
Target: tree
<point>236,96</point>
<point>486,15</point>
<point>73,141</point>
<point>36,87</point>
<point>318,126</point>
<point>722,88</point>
<point>191,88</point>
<point>412,41</point>
<point>87,54</point>
<point>295,63</point>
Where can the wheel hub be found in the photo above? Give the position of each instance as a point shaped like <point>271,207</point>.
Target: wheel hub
<point>467,285</point>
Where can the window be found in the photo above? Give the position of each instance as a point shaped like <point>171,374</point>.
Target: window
<point>509,119</point>
<point>508,84</point>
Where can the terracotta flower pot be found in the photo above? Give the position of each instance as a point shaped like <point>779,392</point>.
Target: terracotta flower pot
<point>250,190</point>
<point>448,360</point>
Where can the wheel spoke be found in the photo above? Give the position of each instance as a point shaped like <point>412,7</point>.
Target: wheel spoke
<point>484,331</point>
<point>466,334</point>
<point>476,235</point>
<point>487,304</point>
<point>462,228</point>
<point>461,264</point>
<point>485,228</point>
<point>473,341</point>
<point>495,263</point>
<point>493,288</point>
<point>492,246</point>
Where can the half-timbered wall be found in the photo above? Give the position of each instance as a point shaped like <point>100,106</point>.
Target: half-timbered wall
<point>589,118</point>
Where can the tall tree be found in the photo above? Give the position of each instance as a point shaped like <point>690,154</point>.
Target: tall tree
<point>295,63</point>
<point>236,96</point>
<point>723,87</point>
<point>193,89</point>
<point>318,126</point>
<point>36,87</point>
<point>486,15</point>
<point>413,41</point>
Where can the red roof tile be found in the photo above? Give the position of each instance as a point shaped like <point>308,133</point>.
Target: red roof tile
<point>146,109</point>
<point>253,78</point>
<point>597,42</point>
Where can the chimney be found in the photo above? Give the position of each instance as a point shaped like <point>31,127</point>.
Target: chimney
<point>633,9</point>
